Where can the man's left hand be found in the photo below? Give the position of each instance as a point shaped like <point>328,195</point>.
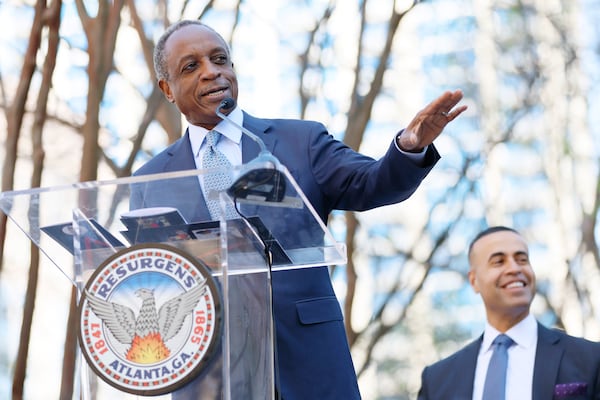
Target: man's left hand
<point>427,125</point>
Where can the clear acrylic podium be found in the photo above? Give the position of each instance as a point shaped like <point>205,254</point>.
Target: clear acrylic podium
<point>79,227</point>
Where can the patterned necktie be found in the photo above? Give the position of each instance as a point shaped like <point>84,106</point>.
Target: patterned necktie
<point>495,380</point>
<point>219,180</point>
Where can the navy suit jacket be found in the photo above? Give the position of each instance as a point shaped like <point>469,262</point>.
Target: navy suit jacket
<point>559,359</point>
<point>313,353</point>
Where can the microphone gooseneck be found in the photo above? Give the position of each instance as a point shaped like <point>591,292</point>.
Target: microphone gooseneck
<point>258,182</point>
<point>264,155</point>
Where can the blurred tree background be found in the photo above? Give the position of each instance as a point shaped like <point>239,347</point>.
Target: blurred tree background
<point>79,103</point>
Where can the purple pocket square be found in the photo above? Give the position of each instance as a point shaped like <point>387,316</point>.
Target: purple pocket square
<point>564,390</point>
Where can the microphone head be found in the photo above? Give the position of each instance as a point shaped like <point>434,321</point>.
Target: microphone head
<point>227,103</point>
<point>259,184</point>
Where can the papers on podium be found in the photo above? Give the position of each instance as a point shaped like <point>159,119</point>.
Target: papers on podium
<point>92,237</point>
<point>166,225</point>
<point>154,217</point>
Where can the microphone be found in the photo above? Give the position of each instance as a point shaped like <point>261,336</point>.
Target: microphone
<point>259,183</point>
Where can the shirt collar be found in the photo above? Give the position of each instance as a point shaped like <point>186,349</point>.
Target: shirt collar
<point>524,333</point>
<point>198,133</point>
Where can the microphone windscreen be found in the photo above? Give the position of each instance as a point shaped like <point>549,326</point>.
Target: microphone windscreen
<point>227,103</point>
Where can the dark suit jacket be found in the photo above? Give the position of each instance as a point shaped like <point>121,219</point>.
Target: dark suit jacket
<point>313,354</point>
<point>559,359</point>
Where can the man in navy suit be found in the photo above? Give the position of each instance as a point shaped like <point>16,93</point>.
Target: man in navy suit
<point>543,363</point>
<point>195,71</point>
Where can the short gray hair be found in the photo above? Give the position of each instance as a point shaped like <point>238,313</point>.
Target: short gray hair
<point>160,60</point>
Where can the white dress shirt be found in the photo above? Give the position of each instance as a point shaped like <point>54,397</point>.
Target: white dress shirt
<point>521,359</point>
<point>230,143</point>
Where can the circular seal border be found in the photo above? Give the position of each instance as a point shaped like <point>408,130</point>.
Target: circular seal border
<point>206,346</point>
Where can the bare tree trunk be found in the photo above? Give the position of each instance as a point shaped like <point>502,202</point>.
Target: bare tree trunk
<point>359,115</point>
<point>101,33</point>
<point>158,107</point>
<point>25,335</point>
<point>44,17</point>
<point>16,112</point>
<point>351,228</point>
<point>70,353</point>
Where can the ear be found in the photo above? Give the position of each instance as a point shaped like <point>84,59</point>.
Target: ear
<point>164,87</point>
<point>473,280</point>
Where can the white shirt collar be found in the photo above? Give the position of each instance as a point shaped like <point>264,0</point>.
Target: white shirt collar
<point>524,334</point>
<point>197,133</point>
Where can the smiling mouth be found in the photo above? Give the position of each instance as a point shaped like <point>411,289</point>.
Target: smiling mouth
<point>517,284</point>
<point>215,93</point>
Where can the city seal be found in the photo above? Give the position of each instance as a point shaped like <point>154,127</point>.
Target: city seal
<point>150,319</point>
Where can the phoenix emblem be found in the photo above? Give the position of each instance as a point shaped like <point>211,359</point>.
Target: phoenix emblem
<point>147,333</point>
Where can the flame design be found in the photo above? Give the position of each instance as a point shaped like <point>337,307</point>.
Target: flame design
<point>147,350</point>
<point>147,333</point>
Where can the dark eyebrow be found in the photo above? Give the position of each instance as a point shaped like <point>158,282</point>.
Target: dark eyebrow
<point>502,254</point>
<point>496,254</point>
<point>221,48</point>
<point>214,51</point>
<point>185,59</point>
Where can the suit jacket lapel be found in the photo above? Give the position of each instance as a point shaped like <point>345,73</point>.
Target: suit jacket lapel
<point>467,363</point>
<point>548,354</point>
<point>259,127</point>
<point>453,377</point>
<point>181,154</point>
<point>182,159</point>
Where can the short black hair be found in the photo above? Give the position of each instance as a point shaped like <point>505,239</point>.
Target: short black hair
<point>159,57</point>
<point>488,231</point>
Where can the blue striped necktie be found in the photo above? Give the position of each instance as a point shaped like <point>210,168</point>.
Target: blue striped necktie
<point>495,380</point>
<point>216,181</point>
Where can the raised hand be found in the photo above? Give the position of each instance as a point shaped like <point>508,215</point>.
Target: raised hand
<point>427,125</point>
